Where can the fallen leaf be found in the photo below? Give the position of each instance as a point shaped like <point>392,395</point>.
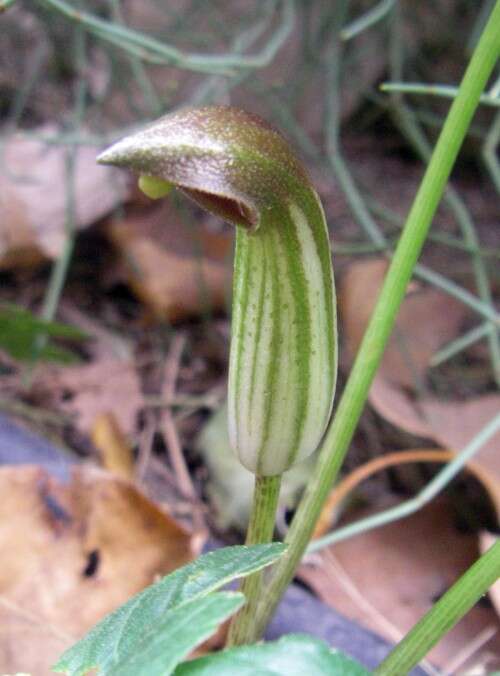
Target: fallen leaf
<point>33,197</point>
<point>105,386</point>
<point>71,554</point>
<point>452,424</point>
<point>178,270</point>
<point>348,485</point>
<point>426,320</point>
<point>387,578</point>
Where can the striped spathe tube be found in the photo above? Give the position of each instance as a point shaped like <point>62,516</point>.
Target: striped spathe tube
<point>283,360</point>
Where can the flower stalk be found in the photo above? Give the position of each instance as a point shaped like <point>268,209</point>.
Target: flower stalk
<point>260,529</point>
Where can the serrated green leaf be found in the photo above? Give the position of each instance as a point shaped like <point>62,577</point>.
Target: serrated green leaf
<point>109,642</point>
<point>156,651</point>
<point>293,655</point>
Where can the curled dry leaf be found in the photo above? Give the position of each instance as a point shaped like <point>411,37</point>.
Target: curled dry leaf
<point>348,485</point>
<point>71,554</point>
<point>452,424</point>
<point>178,270</point>
<point>33,197</point>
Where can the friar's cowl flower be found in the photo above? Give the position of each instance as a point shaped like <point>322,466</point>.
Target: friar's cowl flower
<point>283,359</point>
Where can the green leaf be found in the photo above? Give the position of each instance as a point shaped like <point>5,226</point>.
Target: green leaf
<point>19,330</point>
<point>118,636</point>
<point>293,655</point>
<point>157,651</point>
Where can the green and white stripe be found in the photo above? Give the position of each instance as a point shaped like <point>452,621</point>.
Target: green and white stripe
<point>283,347</point>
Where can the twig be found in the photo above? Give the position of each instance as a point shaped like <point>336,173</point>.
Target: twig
<point>169,429</point>
<point>145,446</point>
<point>367,20</point>
<point>176,455</point>
<point>113,345</point>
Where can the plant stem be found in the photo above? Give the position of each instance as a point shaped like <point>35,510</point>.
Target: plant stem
<point>457,601</point>
<point>351,405</point>
<point>260,531</point>
<point>444,91</point>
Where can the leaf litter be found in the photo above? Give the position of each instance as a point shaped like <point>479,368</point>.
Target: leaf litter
<point>68,560</point>
<point>422,555</point>
<point>155,277</point>
<point>33,213</point>
<point>178,270</point>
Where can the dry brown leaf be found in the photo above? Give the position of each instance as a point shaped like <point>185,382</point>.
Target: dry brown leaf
<point>388,578</point>
<point>452,424</point>
<point>177,270</point>
<point>33,201</point>
<point>72,553</point>
<point>104,386</point>
<point>426,320</point>
<point>115,452</point>
<point>349,483</point>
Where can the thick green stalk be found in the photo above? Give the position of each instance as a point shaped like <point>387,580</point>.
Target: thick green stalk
<point>341,430</point>
<point>444,615</point>
<point>260,530</point>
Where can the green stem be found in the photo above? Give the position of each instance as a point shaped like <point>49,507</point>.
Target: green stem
<point>444,615</point>
<point>260,530</point>
<point>444,91</point>
<point>351,405</point>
